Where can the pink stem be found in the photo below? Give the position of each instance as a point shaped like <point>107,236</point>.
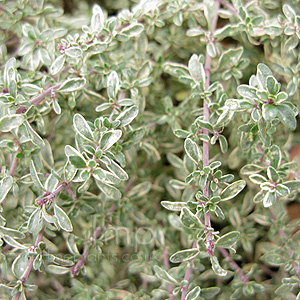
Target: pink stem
<point>31,260</point>
<point>235,266</point>
<point>167,266</point>
<point>14,164</point>
<point>207,68</point>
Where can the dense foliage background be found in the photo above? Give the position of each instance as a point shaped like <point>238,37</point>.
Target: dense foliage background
<point>146,149</point>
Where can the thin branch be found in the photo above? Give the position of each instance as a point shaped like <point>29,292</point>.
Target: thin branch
<point>167,266</point>
<point>31,260</point>
<point>48,197</point>
<point>14,164</point>
<point>81,262</point>
<point>40,98</point>
<point>207,68</point>
<point>230,7</point>
<point>235,266</point>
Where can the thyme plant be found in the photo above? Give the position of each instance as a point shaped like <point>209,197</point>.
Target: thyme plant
<point>145,150</point>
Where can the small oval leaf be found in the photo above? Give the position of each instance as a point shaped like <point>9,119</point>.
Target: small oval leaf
<point>62,219</point>
<point>232,190</point>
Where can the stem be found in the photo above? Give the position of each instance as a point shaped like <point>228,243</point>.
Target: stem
<point>231,7</point>
<point>31,260</point>
<point>187,275</point>
<point>235,266</point>
<point>40,98</point>
<point>207,68</point>
<point>81,262</point>
<point>167,266</point>
<point>290,250</point>
<point>14,164</point>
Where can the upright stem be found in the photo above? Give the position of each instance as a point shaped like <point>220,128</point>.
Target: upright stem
<point>81,262</point>
<point>167,266</point>
<point>40,98</point>
<point>207,68</point>
<point>14,164</point>
<point>235,266</point>
<point>31,260</point>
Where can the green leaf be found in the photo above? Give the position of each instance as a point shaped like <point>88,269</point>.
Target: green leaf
<point>196,69</point>
<point>216,266</point>
<point>189,220</point>
<point>35,177</point>
<point>62,219</point>
<point>12,88</point>
<point>210,292</point>
<point>99,174</point>
<point>132,30</point>
<point>211,49</point>
<point>289,12</point>
<point>57,270</point>
<point>57,65</point>
<point>164,275</point>
<point>232,190</point>
<point>293,185</point>
<point>77,161</point>
<point>103,107</point>
<point>56,107</point>
<point>180,133</point>
<point>193,294</point>
<point>274,259</point>
<point>192,150</point>
<point>44,56</point>
<point>286,116</point>
<point>272,174</point>
<point>184,255</point>
<point>269,199</point>
<point>230,58</point>
<point>117,170</point>
<point>98,19</point>
<point>223,143</point>
<point>15,234</point>
<point>69,171</point>
<point>109,138</point>
<point>270,111</point>
<point>282,190</point>
<point>108,190</point>
<point>75,158</point>
<point>30,89</point>
<point>34,137</point>
<point>263,71</point>
<point>13,243</point>
<point>258,179</point>
<point>174,206</point>
<point>247,91</point>
<point>251,169</point>
<point>7,123</point>
<point>228,239</point>
<point>71,85</point>
<point>272,85</point>
<point>5,185</point>
<point>73,51</point>
<point>127,116</point>
<point>205,125</point>
<point>275,156</point>
<point>20,265</point>
<point>35,222</point>
<point>37,262</point>
<point>113,84</point>
<point>47,217</point>
<point>82,128</point>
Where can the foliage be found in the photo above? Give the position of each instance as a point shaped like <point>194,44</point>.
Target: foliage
<point>145,155</point>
